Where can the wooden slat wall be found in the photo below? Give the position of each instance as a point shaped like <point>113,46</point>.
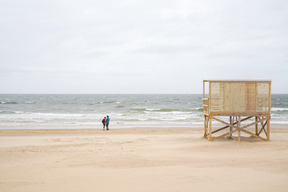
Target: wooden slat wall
<point>240,97</point>
<point>250,96</point>
<point>263,97</point>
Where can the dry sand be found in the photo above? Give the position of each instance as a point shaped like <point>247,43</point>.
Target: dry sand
<point>173,159</point>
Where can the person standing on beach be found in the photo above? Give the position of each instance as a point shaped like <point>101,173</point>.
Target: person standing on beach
<point>104,123</point>
<point>107,122</point>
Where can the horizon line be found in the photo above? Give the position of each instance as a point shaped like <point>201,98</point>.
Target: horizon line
<point>109,93</point>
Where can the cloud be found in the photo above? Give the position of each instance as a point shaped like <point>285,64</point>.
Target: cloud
<point>151,43</point>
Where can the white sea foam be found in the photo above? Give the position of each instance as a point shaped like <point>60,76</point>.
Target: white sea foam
<point>279,109</point>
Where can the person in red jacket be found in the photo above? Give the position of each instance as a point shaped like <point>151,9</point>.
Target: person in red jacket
<point>104,123</point>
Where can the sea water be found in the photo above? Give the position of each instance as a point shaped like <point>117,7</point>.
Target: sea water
<point>18,111</point>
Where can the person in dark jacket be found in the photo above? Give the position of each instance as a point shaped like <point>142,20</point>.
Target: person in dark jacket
<point>104,123</point>
<point>107,122</point>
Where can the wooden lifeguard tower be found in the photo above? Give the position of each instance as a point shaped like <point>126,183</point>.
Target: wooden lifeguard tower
<point>239,105</point>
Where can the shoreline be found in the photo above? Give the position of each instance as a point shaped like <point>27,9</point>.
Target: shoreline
<point>186,125</point>
<point>119,131</point>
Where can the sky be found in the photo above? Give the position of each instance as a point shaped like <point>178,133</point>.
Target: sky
<point>140,46</point>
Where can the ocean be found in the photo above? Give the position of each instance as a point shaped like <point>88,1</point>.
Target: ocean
<point>48,111</point>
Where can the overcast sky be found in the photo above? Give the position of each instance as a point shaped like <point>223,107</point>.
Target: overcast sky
<point>140,46</point>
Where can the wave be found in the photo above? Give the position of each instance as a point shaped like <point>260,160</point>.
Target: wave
<point>279,109</point>
<point>8,102</point>
<point>30,102</point>
<point>156,110</point>
<point>7,112</point>
<point>164,110</point>
<point>14,102</point>
<point>139,109</point>
<point>11,112</point>
<point>197,109</point>
<point>120,106</point>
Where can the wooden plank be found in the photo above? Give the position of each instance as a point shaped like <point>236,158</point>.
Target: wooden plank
<point>220,113</point>
<point>236,122</point>
<point>264,125</point>
<point>209,101</point>
<point>209,120</point>
<point>268,129</point>
<point>243,81</point>
<point>220,129</point>
<point>256,126</point>
<point>205,126</point>
<point>252,134</point>
<point>203,90</point>
<point>239,125</point>
<point>224,122</point>
<point>238,128</point>
<point>246,119</point>
<point>265,131</point>
<point>252,124</point>
<point>227,126</point>
<point>260,131</point>
<point>262,122</point>
<point>210,129</point>
<point>231,122</point>
<point>230,132</point>
<point>269,98</point>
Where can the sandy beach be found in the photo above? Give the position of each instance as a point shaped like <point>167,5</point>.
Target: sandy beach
<point>144,159</point>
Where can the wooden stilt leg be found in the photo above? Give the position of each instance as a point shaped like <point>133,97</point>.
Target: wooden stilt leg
<point>268,129</point>
<point>256,126</point>
<point>210,129</point>
<point>207,125</point>
<point>238,125</point>
<point>230,126</point>
<point>204,125</point>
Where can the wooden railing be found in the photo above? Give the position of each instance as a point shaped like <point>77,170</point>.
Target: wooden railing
<point>205,105</point>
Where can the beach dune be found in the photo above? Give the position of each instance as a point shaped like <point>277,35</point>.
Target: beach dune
<point>144,159</point>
